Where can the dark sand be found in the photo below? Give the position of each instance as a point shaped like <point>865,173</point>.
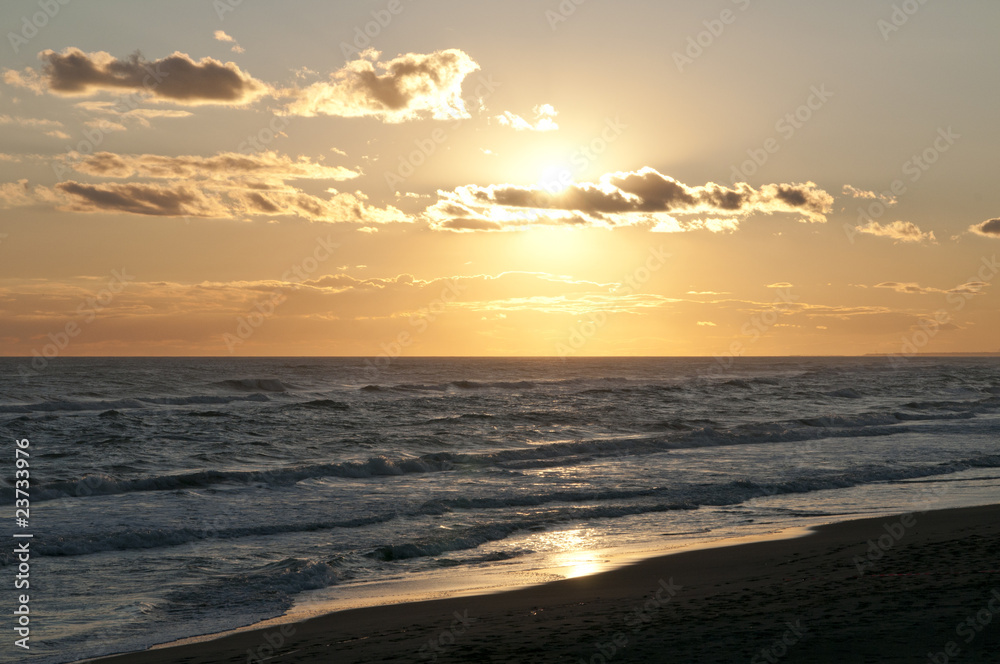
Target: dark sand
<point>794,600</point>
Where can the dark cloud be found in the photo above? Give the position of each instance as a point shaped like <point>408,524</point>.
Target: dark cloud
<point>623,199</point>
<point>989,228</point>
<point>176,77</point>
<point>136,198</point>
<point>232,201</point>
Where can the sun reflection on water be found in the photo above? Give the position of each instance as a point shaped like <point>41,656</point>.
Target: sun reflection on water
<point>572,552</point>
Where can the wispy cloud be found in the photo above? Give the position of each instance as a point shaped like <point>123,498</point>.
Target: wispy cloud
<point>886,197</point>
<point>900,231</point>
<point>544,119</point>
<point>912,288</point>
<point>220,35</point>
<point>268,166</point>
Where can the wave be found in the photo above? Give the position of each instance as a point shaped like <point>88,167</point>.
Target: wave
<point>473,385</point>
<point>494,385</point>
<point>730,493</point>
<point>455,419</point>
<point>124,404</point>
<point>266,591</point>
<point>673,436</point>
<point>318,404</point>
<point>845,393</point>
<point>105,485</point>
<point>254,385</point>
<point>578,505</point>
<point>749,383</point>
<point>127,539</point>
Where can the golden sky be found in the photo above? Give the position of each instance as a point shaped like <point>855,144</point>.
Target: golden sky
<point>562,177</point>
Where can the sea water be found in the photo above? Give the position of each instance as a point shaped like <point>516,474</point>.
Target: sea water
<point>177,497</point>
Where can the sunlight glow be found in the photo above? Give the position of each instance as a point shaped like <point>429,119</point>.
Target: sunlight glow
<point>556,178</point>
<point>571,556</point>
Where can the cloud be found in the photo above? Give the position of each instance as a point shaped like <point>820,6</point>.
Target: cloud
<point>886,198</point>
<point>225,185</point>
<point>268,166</point>
<point>222,200</point>
<point>140,198</point>
<point>20,193</point>
<point>28,78</point>
<point>912,288</point>
<point>781,284</point>
<point>288,201</point>
<point>34,123</point>
<point>637,198</point>
<point>544,119</point>
<point>408,87</point>
<point>705,323</point>
<point>220,35</point>
<point>141,116</point>
<point>900,231</point>
<point>177,77</point>
<point>989,228</point>
<point>37,123</point>
<point>16,194</point>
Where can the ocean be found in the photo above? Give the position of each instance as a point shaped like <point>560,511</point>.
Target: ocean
<point>177,497</point>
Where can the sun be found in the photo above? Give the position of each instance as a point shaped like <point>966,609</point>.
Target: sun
<point>555,178</point>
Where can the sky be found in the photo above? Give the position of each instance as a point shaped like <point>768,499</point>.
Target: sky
<point>566,178</point>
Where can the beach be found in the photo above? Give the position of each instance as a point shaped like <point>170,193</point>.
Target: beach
<point>915,587</point>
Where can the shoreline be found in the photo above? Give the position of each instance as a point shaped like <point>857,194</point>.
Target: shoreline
<point>815,594</point>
